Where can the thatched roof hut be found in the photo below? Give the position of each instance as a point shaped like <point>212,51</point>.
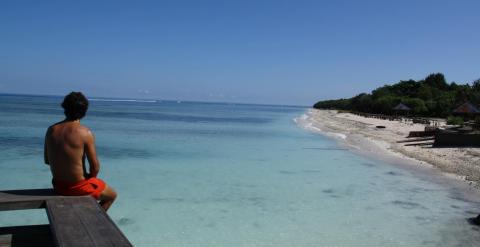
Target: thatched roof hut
<point>401,107</point>
<point>467,108</point>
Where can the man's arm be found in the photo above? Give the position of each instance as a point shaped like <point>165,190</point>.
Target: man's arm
<point>94,165</point>
<point>45,154</point>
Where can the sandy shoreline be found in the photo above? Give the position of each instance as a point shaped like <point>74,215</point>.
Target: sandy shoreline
<point>360,134</point>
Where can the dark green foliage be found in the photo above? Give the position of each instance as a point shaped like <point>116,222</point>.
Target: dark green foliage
<point>418,105</point>
<point>477,120</point>
<point>362,102</point>
<point>431,97</point>
<point>385,104</point>
<point>339,104</point>
<point>455,120</point>
<point>476,84</point>
<point>425,92</point>
<point>436,81</point>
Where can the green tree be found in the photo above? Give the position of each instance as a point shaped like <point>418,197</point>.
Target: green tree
<point>462,94</point>
<point>362,102</point>
<point>436,80</point>
<point>385,104</point>
<point>405,88</point>
<point>380,92</point>
<point>418,105</point>
<point>476,85</point>
<point>429,97</point>
<point>425,92</point>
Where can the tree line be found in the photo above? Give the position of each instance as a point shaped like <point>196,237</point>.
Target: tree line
<point>430,97</point>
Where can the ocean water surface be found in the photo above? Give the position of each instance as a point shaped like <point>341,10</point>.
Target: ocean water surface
<point>204,174</point>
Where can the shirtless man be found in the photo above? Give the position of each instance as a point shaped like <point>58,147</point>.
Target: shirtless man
<point>67,143</point>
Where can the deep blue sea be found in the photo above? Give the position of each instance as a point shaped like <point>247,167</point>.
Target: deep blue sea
<point>205,174</point>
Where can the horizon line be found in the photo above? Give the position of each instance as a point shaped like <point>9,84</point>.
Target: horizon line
<point>99,98</point>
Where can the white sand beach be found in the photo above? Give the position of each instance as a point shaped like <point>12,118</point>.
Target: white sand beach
<point>360,134</point>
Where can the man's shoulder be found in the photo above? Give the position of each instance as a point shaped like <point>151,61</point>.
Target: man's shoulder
<point>80,129</point>
<point>52,128</point>
<point>85,130</point>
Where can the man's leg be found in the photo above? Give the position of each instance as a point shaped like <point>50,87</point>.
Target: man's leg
<point>107,197</point>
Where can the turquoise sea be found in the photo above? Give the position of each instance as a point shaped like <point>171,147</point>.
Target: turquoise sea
<point>207,174</point>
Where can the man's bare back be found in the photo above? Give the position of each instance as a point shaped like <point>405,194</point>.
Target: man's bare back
<point>67,145</point>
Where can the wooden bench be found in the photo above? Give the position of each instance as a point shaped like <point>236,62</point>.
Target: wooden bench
<point>74,221</point>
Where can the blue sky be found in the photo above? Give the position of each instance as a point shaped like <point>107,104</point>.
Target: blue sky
<point>279,52</point>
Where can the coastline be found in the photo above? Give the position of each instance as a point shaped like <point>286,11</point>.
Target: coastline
<point>360,135</point>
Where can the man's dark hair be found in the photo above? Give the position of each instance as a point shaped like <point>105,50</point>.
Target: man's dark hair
<point>75,105</point>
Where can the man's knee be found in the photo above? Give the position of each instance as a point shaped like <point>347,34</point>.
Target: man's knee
<point>109,194</point>
<point>114,194</point>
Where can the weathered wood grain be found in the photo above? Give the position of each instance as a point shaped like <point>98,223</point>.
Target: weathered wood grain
<point>25,199</point>
<point>74,220</point>
<point>80,221</point>
<point>6,240</point>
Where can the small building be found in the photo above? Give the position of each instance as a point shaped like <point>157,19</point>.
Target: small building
<point>467,110</point>
<point>401,107</point>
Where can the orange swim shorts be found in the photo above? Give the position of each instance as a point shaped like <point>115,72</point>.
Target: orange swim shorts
<point>91,186</point>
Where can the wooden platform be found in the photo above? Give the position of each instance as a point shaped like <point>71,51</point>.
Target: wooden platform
<point>456,139</point>
<point>74,221</point>
<point>26,236</point>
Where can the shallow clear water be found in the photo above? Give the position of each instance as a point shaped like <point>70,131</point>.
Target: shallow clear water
<point>197,174</point>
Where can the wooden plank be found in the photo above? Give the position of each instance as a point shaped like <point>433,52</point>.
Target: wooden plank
<point>74,221</point>
<point>6,240</point>
<point>34,204</point>
<point>25,199</point>
<point>80,221</point>
<point>26,236</point>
